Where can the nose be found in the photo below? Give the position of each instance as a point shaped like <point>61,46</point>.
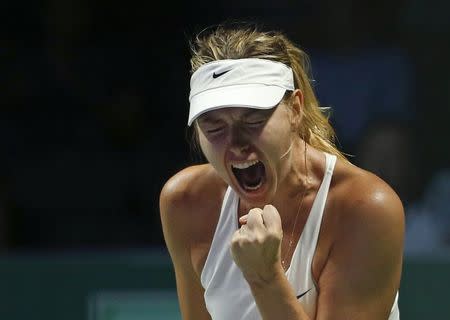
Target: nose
<point>239,151</point>
<point>239,145</point>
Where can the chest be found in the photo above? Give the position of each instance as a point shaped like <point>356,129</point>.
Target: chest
<point>201,247</point>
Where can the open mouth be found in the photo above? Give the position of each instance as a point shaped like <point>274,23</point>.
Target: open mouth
<point>251,175</point>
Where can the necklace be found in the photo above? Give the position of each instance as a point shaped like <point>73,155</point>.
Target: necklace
<point>283,263</point>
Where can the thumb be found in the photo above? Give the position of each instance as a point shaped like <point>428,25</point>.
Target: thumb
<point>243,219</point>
<point>272,219</point>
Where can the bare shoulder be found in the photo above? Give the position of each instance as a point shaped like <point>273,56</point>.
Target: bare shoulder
<point>363,197</point>
<point>188,203</point>
<point>362,272</point>
<point>190,188</point>
<point>189,206</point>
<point>368,215</point>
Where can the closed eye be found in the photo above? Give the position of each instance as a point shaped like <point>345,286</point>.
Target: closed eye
<point>214,130</point>
<point>255,123</point>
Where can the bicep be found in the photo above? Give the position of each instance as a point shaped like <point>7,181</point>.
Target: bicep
<point>189,289</point>
<point>177,238</point>
<point>362,274</point>
<point>190,294</point>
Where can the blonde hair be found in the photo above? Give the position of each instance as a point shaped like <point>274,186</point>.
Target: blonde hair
<point>247,41</point>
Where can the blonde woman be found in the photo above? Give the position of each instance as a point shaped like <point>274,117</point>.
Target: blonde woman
<point>278,224</point>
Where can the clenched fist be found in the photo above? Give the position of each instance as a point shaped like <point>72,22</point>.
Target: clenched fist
<point>256,245</point>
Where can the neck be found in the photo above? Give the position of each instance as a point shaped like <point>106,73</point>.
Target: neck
<point>299,181</point>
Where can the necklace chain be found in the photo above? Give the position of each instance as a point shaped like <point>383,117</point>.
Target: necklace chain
<point>286,255</point>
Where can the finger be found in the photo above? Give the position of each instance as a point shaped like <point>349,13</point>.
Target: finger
<point>235,239</point>
<point>255,219</point>
<point>243,219</point>
<point>243,229</point>
<point>272,219</point>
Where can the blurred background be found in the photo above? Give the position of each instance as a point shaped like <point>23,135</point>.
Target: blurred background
<point>93,111</point>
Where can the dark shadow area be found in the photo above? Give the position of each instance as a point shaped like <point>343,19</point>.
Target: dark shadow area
<point>94,105</point>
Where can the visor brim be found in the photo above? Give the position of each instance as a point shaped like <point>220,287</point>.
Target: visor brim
<point>248,96</point>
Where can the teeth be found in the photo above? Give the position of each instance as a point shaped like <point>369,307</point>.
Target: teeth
<point>255,187</point>
<point>244,165</point>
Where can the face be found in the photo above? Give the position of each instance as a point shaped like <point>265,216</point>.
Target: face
<point>246,148</point>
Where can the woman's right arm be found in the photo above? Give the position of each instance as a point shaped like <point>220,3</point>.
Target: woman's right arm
<point>177,227</point>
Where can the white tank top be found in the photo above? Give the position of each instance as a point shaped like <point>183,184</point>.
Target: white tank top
<point>227,293</point>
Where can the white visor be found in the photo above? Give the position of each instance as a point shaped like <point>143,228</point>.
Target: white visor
<point>251,82</point>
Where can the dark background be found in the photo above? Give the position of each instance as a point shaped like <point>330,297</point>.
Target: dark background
<point>94,105</point>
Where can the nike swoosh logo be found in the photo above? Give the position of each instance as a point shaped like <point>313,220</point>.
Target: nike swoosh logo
<point>216,75</point>
<point>301,295</point>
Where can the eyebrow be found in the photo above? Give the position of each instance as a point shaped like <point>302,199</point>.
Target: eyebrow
<point>208,118</point>
<point>259,112</point>
<point>251,112</point>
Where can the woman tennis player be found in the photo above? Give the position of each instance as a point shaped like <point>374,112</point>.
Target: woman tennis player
<point>278,224</point>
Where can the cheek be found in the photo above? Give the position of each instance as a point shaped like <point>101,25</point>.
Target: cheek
<point>210,151</point>
<point>276,137</point>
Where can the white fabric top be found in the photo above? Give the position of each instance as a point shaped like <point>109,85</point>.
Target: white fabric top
<point>227,293</point>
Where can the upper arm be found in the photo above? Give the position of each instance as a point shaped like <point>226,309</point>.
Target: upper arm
<point>362,274</point>
<point>174,205</point>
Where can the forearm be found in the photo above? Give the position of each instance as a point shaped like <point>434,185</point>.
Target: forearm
<point>276,299</point>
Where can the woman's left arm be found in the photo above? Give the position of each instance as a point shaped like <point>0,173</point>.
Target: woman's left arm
<point>362,274</point>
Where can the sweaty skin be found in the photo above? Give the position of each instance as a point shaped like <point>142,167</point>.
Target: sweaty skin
<point>358,261</point>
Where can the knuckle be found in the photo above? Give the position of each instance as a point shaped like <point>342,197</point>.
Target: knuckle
<point>239,240</point>
<point>255,211</point>
<point>235,243</point>
<point>273,235</point>
<point>235,238</point>
<point>260,239</point>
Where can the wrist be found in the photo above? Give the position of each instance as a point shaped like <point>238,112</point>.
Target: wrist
<point>265,278</point>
